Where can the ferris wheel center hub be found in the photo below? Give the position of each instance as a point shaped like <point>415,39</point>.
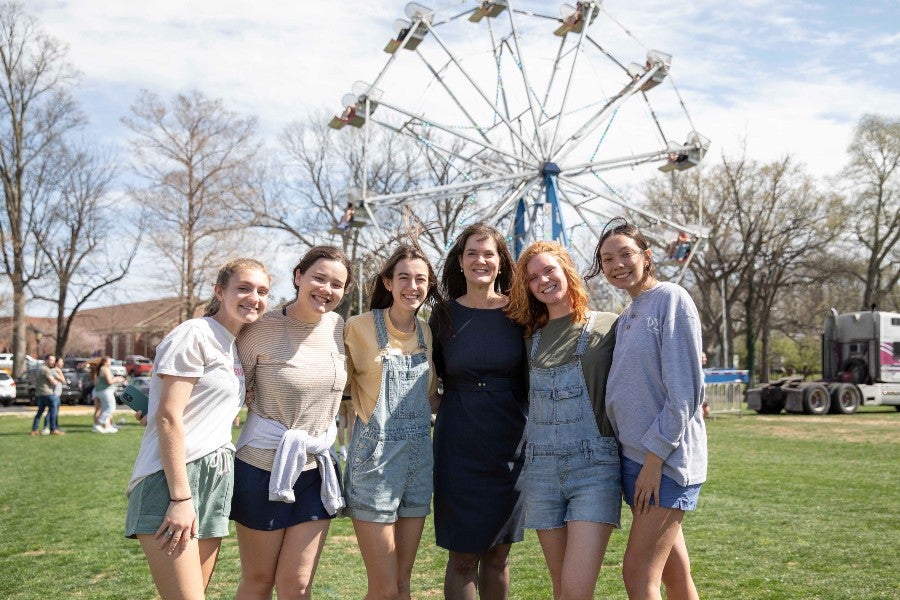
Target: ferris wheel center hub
<point>551,168</point>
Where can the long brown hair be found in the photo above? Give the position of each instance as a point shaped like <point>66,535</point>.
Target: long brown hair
<point>224,276</point>
<point>528,311</point>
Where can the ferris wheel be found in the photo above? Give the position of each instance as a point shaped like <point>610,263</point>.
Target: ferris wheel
<point>542,122</point>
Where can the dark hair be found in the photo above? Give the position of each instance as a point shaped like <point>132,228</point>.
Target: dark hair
<point>224,276</point>
<point>620,226</point>
<point>453,282</point>
<point>380,297</point>
<point>317,253</point>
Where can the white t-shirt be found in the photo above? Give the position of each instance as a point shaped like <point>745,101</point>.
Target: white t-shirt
<point>200,348</point>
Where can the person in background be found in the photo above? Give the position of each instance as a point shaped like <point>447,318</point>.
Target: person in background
<point>345,419</point>
<point>287,483</point>
<point>573,492</point>
<point>479,445</point>
<point>105,391</point>
<point>57,396</point>
<point>654,401</point>
<point>389,466</point>
<point>181,486</point>
<point>46,380</point>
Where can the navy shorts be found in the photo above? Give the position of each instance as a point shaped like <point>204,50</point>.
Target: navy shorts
<point>671,495</point>
<point>251,507</point>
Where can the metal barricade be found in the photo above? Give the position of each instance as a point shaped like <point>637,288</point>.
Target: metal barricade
<point>725,398</point>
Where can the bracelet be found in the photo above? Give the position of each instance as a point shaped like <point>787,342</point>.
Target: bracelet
<point>174,501</point>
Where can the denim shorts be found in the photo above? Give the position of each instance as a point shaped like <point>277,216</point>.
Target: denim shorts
<point>671,495</point>
<point>579,482</point>
<point>212,483</point>
<point>389,479</point>
<point>252,508</point>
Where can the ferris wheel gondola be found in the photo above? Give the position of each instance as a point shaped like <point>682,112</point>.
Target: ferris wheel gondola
<point>513,116</point>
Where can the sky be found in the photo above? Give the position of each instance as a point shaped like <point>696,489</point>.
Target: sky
<point>769,77</point>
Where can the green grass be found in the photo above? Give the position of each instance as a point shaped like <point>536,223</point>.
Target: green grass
<point>796,507</point>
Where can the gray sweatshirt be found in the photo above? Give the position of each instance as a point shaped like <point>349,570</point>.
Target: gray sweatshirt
<point>655,386</point>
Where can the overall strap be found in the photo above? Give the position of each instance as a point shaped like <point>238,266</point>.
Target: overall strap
<point>420,335</point>
<point>380,328</point>
<point>585,335</point>
<point>535,340</point>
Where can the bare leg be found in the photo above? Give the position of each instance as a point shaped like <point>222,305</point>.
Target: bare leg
<point>300,552</point>
<point>461,576</point>
<point>183,575</point>
<point>259,552</point>
<point>493,573</point>
<point>389,551</point>
<point>676,574</point>
<point>574,554</point>
<point>652,536</point>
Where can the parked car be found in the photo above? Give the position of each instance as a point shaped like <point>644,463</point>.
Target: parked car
<point>71,392</point>
<point>136,365</point>
<point>7,388</point>
<point>6,362</point>
<point>117,367</point>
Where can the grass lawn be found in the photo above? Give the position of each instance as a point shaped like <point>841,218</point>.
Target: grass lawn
<point>796,507</point>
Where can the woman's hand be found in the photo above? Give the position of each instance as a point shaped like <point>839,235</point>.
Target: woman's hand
<point>646,487</point>
<point>140,418</point>
<point>178,528</point>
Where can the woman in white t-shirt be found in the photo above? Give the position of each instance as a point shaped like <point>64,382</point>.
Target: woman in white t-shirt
<point>180,490</point>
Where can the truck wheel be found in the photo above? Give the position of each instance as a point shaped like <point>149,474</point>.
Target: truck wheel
<point>9,401</point>
<point>816,399</point>
<point>845,398</point>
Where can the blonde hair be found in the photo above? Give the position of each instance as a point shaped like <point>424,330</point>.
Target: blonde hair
<point>224,276</point>
<point>528,311</point>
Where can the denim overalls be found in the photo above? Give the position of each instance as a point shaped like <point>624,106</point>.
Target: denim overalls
<point>571,471</point>
<point>390,462</point>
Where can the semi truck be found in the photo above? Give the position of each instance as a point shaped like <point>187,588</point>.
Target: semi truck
<point>860,367</point>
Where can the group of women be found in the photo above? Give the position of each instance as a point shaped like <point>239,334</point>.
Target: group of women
<point>547,414</point>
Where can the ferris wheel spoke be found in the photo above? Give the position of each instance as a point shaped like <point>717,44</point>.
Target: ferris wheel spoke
<point>565,98</point>
<point>625,161</point>
<point>450,188</point>
<point>452,131</point>
<point>597,119</point>
<point>648,214</point>
<point>481,93</point>
<point>528,93</point>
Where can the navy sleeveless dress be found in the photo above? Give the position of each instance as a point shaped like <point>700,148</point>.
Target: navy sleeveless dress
<point>479,434</point>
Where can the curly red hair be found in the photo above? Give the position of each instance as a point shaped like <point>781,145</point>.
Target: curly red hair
<point>528,311</point>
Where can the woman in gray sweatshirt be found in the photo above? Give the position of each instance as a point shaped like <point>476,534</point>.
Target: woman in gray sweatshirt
<point>654,398</point>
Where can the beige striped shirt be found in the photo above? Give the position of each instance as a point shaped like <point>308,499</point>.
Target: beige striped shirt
<point>295,373</point>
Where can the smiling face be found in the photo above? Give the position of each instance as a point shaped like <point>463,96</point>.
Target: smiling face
<point>409,284</point>
<point>547,282</point>
<point>319,289</point>
<point>480,261</point>
<point>625,265</point>
<point>243,300</point>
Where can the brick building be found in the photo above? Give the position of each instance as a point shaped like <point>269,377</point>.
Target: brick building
<point>134,328</point>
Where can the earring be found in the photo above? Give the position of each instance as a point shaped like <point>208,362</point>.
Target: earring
<point>461,270</point>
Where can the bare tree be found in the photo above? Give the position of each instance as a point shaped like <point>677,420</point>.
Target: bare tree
<point>769,229</point>
<point>86,248</point>
<point>873,208</point>
<point>36,110</point>
<point>198,159</point>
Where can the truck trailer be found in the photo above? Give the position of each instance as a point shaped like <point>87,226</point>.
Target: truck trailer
<point>860,367</point>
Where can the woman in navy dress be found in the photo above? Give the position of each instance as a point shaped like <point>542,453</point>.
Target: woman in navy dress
<point>479,432</point>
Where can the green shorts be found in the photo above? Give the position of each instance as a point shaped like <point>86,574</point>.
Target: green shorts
<point>212,483</point>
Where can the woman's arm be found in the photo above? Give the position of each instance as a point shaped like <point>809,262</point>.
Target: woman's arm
<point>181,518</point>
